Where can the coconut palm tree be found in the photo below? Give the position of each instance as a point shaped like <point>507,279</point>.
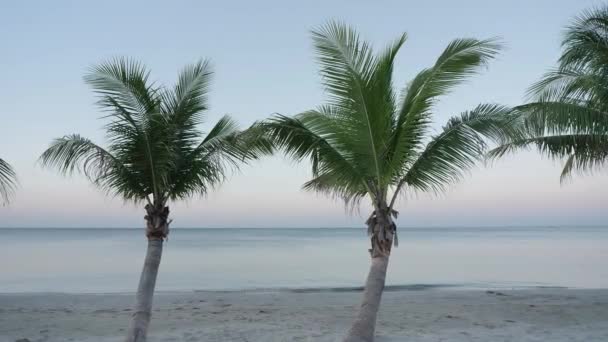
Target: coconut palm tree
<point>567,117</point>
<point>366,144</point>
<point>8,182</point>
<point>155,153</point>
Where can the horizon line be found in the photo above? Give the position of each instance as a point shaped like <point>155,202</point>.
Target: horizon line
<point>340,227</point>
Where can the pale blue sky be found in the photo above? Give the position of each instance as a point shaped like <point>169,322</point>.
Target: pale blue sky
<point>264,63</point>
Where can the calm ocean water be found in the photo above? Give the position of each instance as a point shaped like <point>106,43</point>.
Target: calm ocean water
<point>109,260</point>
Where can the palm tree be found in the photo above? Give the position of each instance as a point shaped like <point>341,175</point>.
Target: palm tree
<point>568,113</point>
<point>154,153</point>
<point>364,143</point>
<point>8,182</point>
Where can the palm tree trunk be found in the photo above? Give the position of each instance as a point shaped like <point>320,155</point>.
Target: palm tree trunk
<point>145,292</point>
<point>364,326</point>
<point>157,230</point>
<point>382,231</point>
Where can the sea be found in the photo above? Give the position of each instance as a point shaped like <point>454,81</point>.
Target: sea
<point>97,260</point>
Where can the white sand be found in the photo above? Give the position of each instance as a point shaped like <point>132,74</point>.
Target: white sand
<point>429,315</point>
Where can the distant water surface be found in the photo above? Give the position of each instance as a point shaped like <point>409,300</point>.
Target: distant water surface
<point>109,260</point>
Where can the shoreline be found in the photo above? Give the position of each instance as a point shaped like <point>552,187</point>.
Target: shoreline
<point>326,289</point>
<point>554,314</point>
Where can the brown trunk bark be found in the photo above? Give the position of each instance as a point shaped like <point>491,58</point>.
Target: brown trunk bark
<point>382,230</point>
<point>156,231</point>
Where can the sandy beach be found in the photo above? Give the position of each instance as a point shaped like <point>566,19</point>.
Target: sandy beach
<point>406,315</point>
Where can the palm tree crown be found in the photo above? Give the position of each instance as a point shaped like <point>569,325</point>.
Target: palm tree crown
<point>367,141</point>
<point>154,152</point>
<point>8,182</point>
<point>568,113</point>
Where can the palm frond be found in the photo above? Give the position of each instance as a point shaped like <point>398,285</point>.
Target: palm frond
<point>461,59</point>
<point>339,186</point>
<point>73,153</point>
<point>314,135</point>
<point>583,162</point>
<point>8,182</point>
<point>299,138</point>
<point>124,89</point>
<point>225,127</point>
<point>346,61</point>
<point>563,117</point>
<point>585,41</point>
<point>234,146</point>
<point>225,146</point>
<point>584,152</point>
<point>188,99</point>
<point>568,84</point>
<point>568,117</point>
<point>182,109</point>
<point>137,125</point>
<point>449,155</point>
<point>253,143</point>
<point>353,79</point>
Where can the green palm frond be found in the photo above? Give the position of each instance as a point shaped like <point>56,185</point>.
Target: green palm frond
<point>584,161</point>
<point>568,118</point>
<point>569,84</point>
<point>155,150</point>
<point>564,116</point>
<point>585,41</point>
<point>358,85</point>
<point>251,143</point>
<point>461,59</point>
<point>218,135</point>
<point>314,135</point>
<point>338,185</point>
<point>73,153</point>
<point>124,89</point>
<point>224,147</point>
<point>8,182</point>
<point>462,143</point>
<point>583,152</point>
<point>187,101</point>
<point>136,124</point>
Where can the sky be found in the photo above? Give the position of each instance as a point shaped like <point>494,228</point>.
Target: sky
<point>263,60</point>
